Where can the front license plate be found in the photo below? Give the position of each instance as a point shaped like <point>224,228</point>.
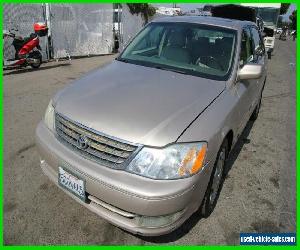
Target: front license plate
<point>72,183</point>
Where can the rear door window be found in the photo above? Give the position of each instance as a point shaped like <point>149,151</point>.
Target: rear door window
<point>258,44</point>
<point>247,53</point>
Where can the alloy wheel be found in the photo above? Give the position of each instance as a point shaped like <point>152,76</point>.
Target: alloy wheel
<point>217,178</point>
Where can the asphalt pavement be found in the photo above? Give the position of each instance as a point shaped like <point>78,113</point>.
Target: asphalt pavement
<point>258,194</point>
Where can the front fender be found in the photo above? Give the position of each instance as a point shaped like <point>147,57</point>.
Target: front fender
<point>214,124</point>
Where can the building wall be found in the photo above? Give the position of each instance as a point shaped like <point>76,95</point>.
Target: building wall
<point>75,29</point>
<point>81,29</point>
<point>131,25</point>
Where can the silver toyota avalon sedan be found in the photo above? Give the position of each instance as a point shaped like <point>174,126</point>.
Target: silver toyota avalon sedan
<point>143,142</point>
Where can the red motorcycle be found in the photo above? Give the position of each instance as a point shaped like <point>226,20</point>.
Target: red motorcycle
<point>28,49</point>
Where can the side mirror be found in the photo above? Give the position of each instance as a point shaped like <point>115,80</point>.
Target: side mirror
<point>250,71</point>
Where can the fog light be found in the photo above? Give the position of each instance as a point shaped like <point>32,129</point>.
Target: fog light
<point>158,221</point>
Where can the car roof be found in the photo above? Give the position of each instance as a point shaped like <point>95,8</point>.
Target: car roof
<point>216,21</point>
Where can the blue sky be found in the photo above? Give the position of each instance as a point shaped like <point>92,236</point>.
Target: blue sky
<point>191,6</point>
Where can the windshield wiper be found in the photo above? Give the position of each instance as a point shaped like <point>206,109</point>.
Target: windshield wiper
<point>157,66</point>
<point>122,59</point>
<point>170,69</point>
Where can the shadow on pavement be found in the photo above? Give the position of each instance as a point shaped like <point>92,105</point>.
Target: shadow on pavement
<point>196,217</point>
<point>25,70</point>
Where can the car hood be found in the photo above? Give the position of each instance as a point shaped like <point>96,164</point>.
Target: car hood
<point>136,103</point>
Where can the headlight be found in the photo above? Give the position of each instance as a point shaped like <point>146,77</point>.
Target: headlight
<point>172,162</point>
<point>49,116</point>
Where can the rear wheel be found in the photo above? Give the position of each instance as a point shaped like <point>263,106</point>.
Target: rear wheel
<point>36,55</point>
<point>216,180</point>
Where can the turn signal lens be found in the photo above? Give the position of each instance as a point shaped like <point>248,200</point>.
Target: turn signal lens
<point>193,161</point>
<point>198,164</point>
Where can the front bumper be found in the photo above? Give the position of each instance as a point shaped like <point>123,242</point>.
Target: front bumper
<point>137,204</point>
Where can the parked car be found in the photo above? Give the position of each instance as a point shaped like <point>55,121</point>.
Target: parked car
<point>279,31</point>
<point>143,142</point>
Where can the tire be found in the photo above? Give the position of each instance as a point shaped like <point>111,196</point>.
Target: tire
<point>216,181</point>
<point>36,55</point>
<point>256,110</point>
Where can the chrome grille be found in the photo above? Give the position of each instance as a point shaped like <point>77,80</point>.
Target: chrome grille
<point>102,148</point>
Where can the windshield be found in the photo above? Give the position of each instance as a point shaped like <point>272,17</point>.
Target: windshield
<point>200,50</point>
<point>269,15</point>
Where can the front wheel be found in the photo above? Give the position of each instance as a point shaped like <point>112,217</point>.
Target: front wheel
<point>216,180</point>
<point>37,56</point>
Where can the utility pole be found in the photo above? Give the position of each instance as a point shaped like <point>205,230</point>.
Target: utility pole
<point>48,23</point>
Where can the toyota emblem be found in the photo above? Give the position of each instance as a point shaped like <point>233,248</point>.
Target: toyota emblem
<point>82,142</point>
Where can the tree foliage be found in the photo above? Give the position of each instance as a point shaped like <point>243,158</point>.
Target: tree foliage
<point>146,10</point>
<point>284,8</point>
